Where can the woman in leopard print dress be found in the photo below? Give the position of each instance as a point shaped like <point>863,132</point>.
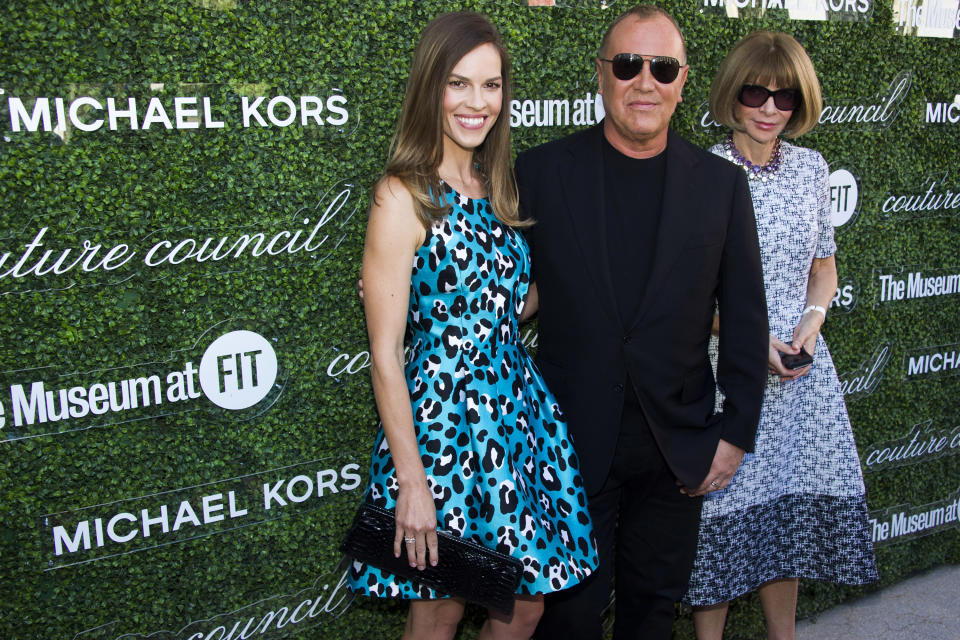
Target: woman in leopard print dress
<point>471,440</point>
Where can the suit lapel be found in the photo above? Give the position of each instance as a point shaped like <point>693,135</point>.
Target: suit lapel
<point>582,185</point>
<point>676,220</point>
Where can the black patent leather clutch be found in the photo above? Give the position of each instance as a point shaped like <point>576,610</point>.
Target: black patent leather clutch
<point>466,569</point>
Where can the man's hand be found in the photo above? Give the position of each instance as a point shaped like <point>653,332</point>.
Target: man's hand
<point>725,464</point>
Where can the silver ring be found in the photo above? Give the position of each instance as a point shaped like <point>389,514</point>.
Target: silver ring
<point>409,540</point>
<point>713,483</point>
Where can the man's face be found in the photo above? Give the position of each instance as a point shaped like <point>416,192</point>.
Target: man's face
<point>638,110</point>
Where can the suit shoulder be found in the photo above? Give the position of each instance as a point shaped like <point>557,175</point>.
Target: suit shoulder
<point>554,147</point>
<point>713,159</point>
<point>706,159</point>
<point>719,166</point>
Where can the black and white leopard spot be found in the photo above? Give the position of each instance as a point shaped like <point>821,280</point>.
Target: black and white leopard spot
<point>520,480</point>
<point>480,360</point>
<point>506,406</point>
<point>487,510</point>
<point>506,369</point>
<point>459,307</point>
<point>462,255</point>
<point>563,532</point>
<point>445,462</point>
<point>473,406</point>
<point>556,412</point>
<point>443,386</point>
<point>418,388</point>
<point>508,497</point>
<point>483,329</point>
<point>557,574</point>
<point>507,540</point>
<point>549,477</point>
<point>472,282</point>
<point>455,522</point>
<point>439,311</point>
<point>546,525</point>
<point>468,464</point>
<point>447,279</point>
<point>530,469</point>
<point>452,340</point>
<point>431,365</point>
<point>429,409</point>
<point>493,456</point>
<point>531,569</point>
<point>490,404</point>
<point>438,253</point>
<point>440,493</point>
<point>546,506</point>
<point>528,526</point>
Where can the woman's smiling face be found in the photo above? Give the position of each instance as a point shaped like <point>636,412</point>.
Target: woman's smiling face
<point>473,97</point>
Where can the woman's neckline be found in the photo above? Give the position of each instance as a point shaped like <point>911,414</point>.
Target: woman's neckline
<point>460,193</point>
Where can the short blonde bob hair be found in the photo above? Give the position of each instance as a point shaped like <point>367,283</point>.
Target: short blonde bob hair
<point>767,57</point>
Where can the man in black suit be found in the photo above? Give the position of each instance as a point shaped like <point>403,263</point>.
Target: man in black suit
<point>638,235</point>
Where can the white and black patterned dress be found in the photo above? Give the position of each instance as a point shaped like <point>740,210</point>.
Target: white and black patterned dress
<point>796,507</point>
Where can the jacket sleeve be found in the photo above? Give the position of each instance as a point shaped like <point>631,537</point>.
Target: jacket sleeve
<point>744,332</point>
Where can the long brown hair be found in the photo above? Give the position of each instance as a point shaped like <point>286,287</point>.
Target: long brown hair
<point>417,144</point>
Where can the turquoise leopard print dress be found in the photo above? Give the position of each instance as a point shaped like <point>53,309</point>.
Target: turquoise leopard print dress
<point>492,439</point>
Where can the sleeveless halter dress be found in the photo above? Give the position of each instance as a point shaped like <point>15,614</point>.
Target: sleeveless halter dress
<point>492,439</point>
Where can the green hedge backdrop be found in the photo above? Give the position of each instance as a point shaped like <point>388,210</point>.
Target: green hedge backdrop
<point>127,252</point>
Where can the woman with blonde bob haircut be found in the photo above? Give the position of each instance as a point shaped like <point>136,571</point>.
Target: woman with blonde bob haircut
<point>471,440</point>
<point>761,58</point>
<point>796,506</point>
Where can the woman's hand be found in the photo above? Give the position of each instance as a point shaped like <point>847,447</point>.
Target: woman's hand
<point>807,330</point>
<point>776,365</point>
<point>416,519</point>
<point>821,286</point>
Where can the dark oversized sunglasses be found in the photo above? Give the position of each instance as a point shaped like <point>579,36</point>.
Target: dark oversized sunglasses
<point>753,95</point>
<point>627,66</point>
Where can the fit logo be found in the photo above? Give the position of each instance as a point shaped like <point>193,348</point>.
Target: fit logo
<point>844,197</point>
<point>238,369</point>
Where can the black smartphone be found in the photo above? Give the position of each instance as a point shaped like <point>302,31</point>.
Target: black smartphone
<point>796,360</point>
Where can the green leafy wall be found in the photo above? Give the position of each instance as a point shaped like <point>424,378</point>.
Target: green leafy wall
<point>302,449</point>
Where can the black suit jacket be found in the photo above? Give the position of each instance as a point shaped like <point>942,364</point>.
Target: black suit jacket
<point>706,252</point>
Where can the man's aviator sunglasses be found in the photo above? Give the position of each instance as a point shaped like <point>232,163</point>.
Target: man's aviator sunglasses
<point>753,96</point>
<point>627,66</point>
